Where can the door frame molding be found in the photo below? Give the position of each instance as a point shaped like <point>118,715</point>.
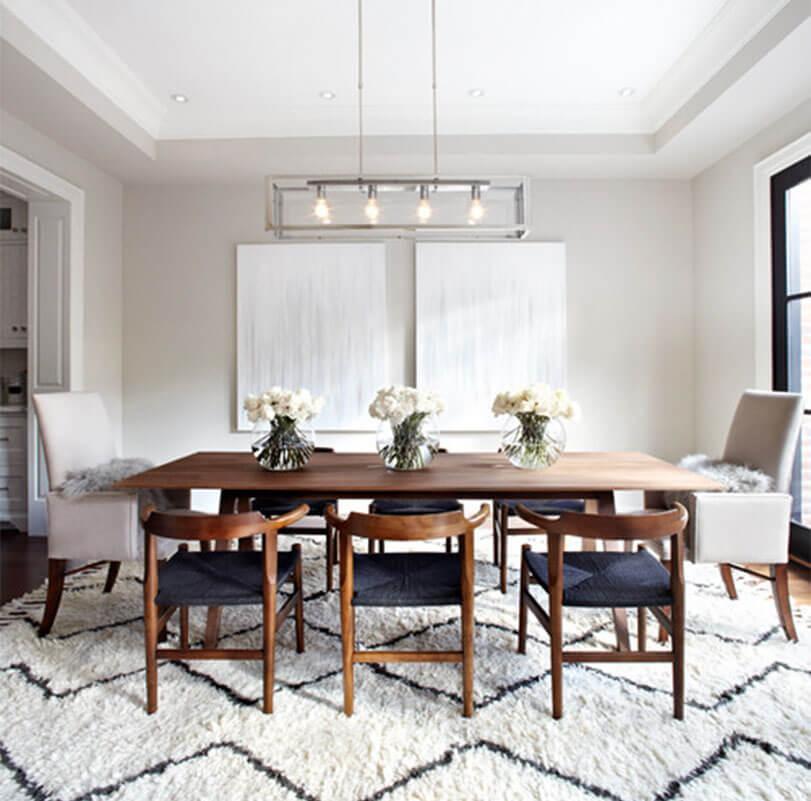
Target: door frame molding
<point>762,175</point>
<point>43,179</point>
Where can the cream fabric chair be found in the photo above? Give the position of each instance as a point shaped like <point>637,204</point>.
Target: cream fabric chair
<point>101,527</point>
<point>735,529</point>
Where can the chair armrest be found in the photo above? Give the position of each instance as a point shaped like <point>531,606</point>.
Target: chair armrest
<point>740,527</point>
<point>99,526</point>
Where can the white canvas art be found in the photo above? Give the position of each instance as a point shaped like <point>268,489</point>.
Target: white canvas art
<point>490,317</point>
<point>313,315</point>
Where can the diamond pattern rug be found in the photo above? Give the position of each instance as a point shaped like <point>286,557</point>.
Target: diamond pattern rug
<point>73,725</point>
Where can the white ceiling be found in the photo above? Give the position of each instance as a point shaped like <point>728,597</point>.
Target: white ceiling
<point>705,74</point>
<point>256,67</point>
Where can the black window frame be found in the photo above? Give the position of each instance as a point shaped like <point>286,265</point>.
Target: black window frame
<point>781,183</point>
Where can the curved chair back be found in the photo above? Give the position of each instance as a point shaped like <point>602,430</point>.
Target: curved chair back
<point>76,432</point>
<point>764,434</point>
<point>641,526</point>
<point>407,527</point>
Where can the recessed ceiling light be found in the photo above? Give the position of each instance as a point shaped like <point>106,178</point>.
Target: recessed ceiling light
<point>327,95</point>
<point>476,92</point>
<point>180,98</point>
<point>627,91</point>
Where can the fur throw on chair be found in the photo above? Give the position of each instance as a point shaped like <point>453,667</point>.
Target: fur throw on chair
<point>101,478</point>
<point>733,477</point>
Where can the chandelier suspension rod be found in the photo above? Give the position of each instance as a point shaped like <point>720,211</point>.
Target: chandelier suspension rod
<point>433,83</point>
<point>360,89</point>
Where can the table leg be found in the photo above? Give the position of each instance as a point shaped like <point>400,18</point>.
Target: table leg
<point>605,505</point>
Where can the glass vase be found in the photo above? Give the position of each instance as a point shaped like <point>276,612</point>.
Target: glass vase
<point>532,441</point>
<point>410,445</point>
<point>282,444</point>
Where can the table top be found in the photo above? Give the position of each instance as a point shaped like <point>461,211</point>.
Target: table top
<point>457,475</point>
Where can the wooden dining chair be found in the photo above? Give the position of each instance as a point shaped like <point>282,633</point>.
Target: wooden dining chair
<point>504,509</point>
<point>607,579</point>
<point>224,578</point>
<point>413,506</point>
<point>407,579</point>
<point>272,506</point>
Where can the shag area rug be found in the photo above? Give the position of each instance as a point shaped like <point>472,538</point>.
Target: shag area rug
<point>73,725</point>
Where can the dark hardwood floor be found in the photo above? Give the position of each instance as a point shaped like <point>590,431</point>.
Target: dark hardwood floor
<point>23,563</point>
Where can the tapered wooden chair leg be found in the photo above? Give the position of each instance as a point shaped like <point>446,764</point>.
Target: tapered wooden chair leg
<point>112,575</point>
<point>348,622</point>
<point>468,624</point>
<point>268,649</point>
<point>729,582</point>
<point>495,534</point>
<point>678,661</point>
<point>330,535</point>
<point>504,531</point>
<point>641,628</point>
<point>782,600</point>
<point>522,602</point>
<point>556,624</point>
<point>298,588</point>
<point>184,627</point>
<point>56,582</point>
<point>663,635</point>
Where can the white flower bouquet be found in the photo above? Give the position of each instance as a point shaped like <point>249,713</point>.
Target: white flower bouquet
<point>534,437</point>
<point>280,416</point>
<point>407,437</point>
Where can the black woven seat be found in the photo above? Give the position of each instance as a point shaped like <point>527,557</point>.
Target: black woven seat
<point>271,506</point>
<point>407,579</point>
<point>607,579</point>
<point>414,506</point>
<point>544,507</point>
<point>217,578</point>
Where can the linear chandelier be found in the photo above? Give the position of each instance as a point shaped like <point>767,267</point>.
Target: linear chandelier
<point>396,205</point>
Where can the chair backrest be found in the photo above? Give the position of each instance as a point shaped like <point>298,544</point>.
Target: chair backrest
<point>637,526</point>
<point>182,524</point>
<point>76,432</point>
<point>407,527</point>
<point>764,434</point>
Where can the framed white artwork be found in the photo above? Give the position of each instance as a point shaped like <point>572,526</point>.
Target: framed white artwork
<point>313,315</point>
<point>490,316</point>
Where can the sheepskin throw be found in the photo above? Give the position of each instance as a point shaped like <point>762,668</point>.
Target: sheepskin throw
<point>101,478</point>
<point>733,477</point>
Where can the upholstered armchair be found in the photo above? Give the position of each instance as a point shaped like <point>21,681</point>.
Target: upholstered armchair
<point>736,529</point>
<point>94,528</point>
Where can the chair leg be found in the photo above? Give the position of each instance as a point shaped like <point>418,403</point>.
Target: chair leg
<point>522,602</point>
<point>371,546</point>
<point>448,544</point>
<point>495,533</point>
<point>677,622</point>
<point>641,628</point>
<point>729,582</point>
<point>782,600</point>
<point>348,649</point>
<point>151,646</point>
<point>468,623</point>
<point>381,546</point>
<point>112,575</point>
<point>298,588</point>
<point>56,581</point>
<point>330,537</point>
<point>268,648</point>
<point>184,627</point>
<point>504,531</point>
<point>556,648</point>
<point>663,635</point>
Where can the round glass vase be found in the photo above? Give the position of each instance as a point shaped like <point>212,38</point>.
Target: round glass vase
<point>282,444</point>
<point>533,441</point>
<point>410,445</point>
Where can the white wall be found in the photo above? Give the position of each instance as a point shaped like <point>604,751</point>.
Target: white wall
<point>724,287</point>
<point>630,340</point>
<point>103,257</point>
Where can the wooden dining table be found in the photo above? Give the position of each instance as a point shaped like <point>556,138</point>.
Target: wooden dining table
<point>592,476</point>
